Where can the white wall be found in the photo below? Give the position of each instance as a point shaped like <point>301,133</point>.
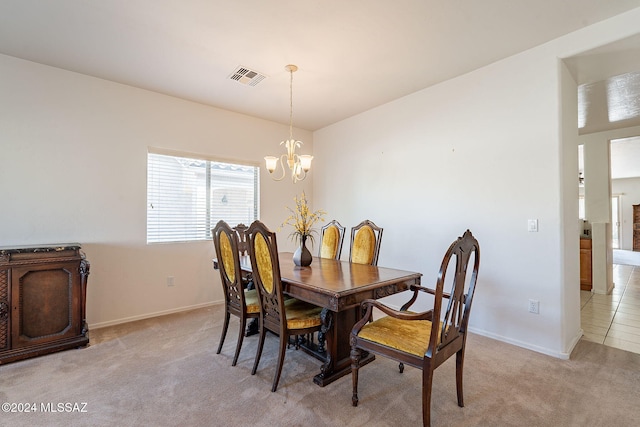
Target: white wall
<point>597,197</point>
<point>73,169</point>
<point>569,212</point>
<point>483,151</point>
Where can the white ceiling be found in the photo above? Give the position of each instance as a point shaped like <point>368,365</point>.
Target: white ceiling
<point>353,55</point>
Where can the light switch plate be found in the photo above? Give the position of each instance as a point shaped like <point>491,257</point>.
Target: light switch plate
<point>532,225</point>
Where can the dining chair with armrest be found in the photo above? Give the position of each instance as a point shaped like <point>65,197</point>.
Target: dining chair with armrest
<point>331,238</point>
<point>284,317</point>
<point>366,238</point>
<point>423,340</point>
<point>237,300</point>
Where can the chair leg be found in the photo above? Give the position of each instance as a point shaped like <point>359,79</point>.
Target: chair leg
<point>283,349</point>
<point>225,326</point>
<point>427,381</point>
<point>262,332</point>
<point>459,367</point>
<point>356,354</point>
<point>243,323</point>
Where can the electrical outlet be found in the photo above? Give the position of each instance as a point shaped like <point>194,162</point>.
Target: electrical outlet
<point>534,306</point>
<point>170,281</point>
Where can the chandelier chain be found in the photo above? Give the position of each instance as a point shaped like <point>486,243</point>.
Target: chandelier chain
<point>291,105</point>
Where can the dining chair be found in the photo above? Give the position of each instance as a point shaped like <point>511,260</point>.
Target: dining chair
<point>331,238</point>
<point>365,243</point>
<point>284,317</point>
<point>426,339</point>
<point>243,250</point>
<point>243,243</point>
<point>238,301</point>
<point>247,280</point>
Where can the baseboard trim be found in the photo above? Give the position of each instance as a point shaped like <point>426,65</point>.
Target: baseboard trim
<point>150,315</point>
<point>574,342</point>
<point>529,346</point>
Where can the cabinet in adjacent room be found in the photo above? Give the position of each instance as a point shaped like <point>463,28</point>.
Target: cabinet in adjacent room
<point>42,300</point>
<point>585,265</point>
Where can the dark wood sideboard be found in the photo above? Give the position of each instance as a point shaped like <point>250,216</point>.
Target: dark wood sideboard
<point>42,300</point>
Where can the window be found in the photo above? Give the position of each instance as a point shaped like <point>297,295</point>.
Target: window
<point>187,196</point>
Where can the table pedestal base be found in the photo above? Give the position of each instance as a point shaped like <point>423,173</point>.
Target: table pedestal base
<point>322,379</point>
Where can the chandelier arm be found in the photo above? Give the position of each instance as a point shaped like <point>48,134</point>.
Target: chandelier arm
<point>297,173</point>
<point>297,178</point>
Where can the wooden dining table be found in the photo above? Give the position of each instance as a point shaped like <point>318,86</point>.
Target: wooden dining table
<point>339,287</point>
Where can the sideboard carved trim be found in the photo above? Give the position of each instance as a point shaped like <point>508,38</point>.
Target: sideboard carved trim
<point>4,309</point>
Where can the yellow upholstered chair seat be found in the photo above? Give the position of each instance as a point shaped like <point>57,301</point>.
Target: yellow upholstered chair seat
<point>301,315</point>
<point>330,241</point>
<point>410,336</point>
<point>252,301</point>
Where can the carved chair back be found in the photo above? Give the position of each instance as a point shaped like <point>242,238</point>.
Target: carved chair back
<point>366,238</point>
<point>265,264</point>
<point>454,322</point>
<point>331,239</point>
<point>225,241</point>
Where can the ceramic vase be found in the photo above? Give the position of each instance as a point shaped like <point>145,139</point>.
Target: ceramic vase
<point>302,257</point>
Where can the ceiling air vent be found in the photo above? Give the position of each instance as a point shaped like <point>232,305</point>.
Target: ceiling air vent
<point>246,76</point>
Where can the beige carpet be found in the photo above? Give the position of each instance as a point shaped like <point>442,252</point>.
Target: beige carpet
<point>164,372</point>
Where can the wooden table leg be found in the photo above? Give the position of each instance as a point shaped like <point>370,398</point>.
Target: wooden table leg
<point>337,327</point>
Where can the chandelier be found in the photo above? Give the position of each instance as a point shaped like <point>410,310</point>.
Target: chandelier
<point>299,165</point>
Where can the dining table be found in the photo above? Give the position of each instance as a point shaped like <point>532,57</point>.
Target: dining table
<point>339,287</point>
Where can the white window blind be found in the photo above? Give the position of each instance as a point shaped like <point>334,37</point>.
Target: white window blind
<point>186,197</point>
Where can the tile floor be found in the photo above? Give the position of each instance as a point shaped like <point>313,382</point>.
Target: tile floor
<point>614,320</point>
